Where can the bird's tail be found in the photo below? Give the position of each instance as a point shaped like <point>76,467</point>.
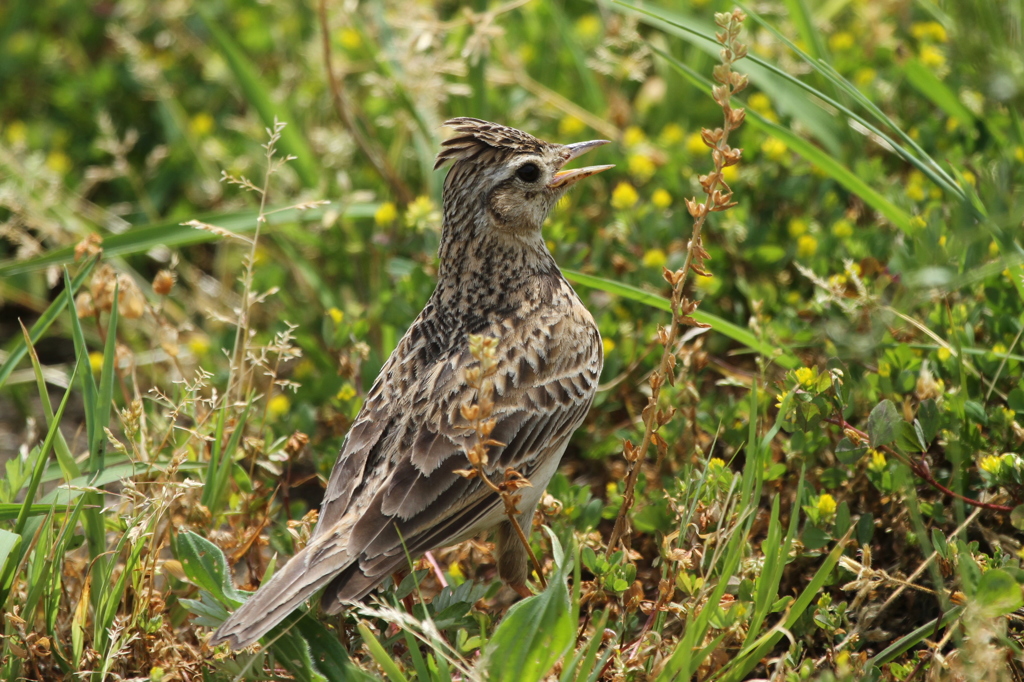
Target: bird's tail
<point>307,572</point>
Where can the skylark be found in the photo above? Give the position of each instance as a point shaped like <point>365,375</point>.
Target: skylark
<point>396,486</point>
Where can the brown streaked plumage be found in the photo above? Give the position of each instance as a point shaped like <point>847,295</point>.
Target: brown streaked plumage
<point>394,486</point>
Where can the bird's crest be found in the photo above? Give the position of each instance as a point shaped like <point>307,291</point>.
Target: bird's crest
<point>475,138</point>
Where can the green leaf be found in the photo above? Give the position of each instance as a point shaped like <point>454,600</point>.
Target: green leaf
<point>928,416</point>
<point>534,635</point>
<point>929,85</point>
<point>206,567</point>
<point>8,544</point>
<point>381,656</point>
<point>883,423</point>
<point>782,356</point>
<point>1017,517</point>
<point>998,593</point>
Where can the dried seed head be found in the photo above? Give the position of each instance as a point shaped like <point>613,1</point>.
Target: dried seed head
<point>131,302</point>
<point>163,282</point>
<point>84,306</point>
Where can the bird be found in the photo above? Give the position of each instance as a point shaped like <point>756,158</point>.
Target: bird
<point>399,484</point>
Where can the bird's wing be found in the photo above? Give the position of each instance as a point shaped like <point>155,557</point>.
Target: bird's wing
<point>405,494</point>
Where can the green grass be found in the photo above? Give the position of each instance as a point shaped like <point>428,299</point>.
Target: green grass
<point>837,495</point>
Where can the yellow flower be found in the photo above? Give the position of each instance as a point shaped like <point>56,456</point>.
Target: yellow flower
<point>349,38</point>
<point>199,345</point>
<point>1018,153</point>
<point>336,315</point>
<point>17,132</point>
<point>952,123</point>
<point>703,282</point>
<point>991,464</point>
<point>944,354</point>
<point>993,248</point>
<point>570,126</point>
<point>201,124</point>
<point>661,198</point>
<point>917,222</point>
<point>780,398</point>
<point>932,56</point>
<point>942,240</point>
<point>58,162</point>
<point>421,213</point>
<point>969,177</point>
<point>730,173</point>
<point>385,214</point>
<point>673,134</point>
<point>455,571</point>
<point>760,103</point>
<point>805,376</point>
<point>641,167</point>
<point>624,196</point>
<point>633,136</point>
<point>884,369</point>
<point>695,145</point>
<point>806,246</point>
<point>278,405</point>
<point>346,393</point>
<point>588,26</point>
<point>95,361</point>
<point>842,228</point>
<point>999,349</point>
<point>842,41</point>
<point>915,192</point>
<point>655,258</point>
<point>864,76</point>
<point>929,30</point>
<point>878,462</point>
<point>797,227</point>
<point>609,345</point>
<point>775,149</point>
<point>716,463</point>
<point>836,281</point>
<point>826,505</point>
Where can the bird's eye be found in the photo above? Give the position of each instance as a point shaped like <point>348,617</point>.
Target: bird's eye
<point>528,172</point>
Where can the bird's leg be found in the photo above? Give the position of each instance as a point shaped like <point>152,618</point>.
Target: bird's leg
<point>513,562</point>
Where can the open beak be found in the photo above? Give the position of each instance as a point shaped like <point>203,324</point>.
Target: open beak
<point>568,178</point>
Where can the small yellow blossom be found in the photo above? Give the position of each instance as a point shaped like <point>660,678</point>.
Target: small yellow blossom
<point>991,464</point>
<point>774,148</point>
<point>588,26</point>
<point>780,398</point>
<point>969,177</point>
<point>944,354</point>
<point>695,145</point>
<point>993,248</point>
<point>673,134</point>
<point>385,214</point>
<point>624,196</point>
<point>842,228</point>
<point>570,126</point>
<point>841,41</point>
<point>16,132</point>
<point>609,345</point>
<point>760,103</point>
<point>730,174</point>
<point>999,349</point>
<point>349,38</point>
<point>641,167</point>
<point>804,376</point>
<point>346,393</point>
<point>884,369</point>
<point>1018,153</point>
<point>942,240</point>
<point>929,30</point>
<point>806,246</point>
<point>58,162</point>
<point>655,258</point>
<point>421,213</point>
<point>952,123</point>
<point>201,124</point>
<point>455,571</point>
<point>704,283</point>
<point>633,135</point>
<point>199,345</point>
<point>278,405</point>
<point>864,76</point>
<point>797,227</point>
<point>826,505</point>
<point>96,361</point>
<point>836,281</point>
<point>793,298</point>
<point>917,222</point>
<point>932,56</point>
<point>661,198</point>
<point>716,463</point>
<point>336,315</point>
<point>878,461</point>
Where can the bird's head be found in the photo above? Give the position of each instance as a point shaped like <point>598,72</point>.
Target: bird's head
<point>508,175</point>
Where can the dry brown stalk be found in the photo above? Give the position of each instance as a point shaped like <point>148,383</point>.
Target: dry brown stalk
<point>477,411</point>
<point>718,197</point>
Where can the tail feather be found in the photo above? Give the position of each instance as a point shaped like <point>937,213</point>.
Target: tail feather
<point>288,588</point>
